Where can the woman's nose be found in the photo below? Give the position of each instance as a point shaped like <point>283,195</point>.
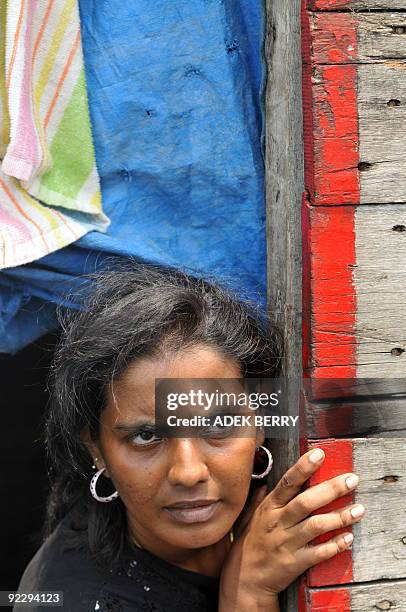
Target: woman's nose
<point>186,463</point>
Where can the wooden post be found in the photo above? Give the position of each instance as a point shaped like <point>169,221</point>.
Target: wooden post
<point>354,257</point>
<point>284,189</point>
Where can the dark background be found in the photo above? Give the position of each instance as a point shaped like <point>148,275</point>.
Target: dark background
<point>23,470</point>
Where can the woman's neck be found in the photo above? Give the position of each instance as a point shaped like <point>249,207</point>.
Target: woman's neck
<point>208,560</point>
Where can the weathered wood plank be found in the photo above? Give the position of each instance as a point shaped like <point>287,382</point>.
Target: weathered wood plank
<point>355,139</point>
<point>284,189</point>
<point>381,464</point>
<point>360,5</point>
<point>379,278</point>
<point>330,124</point>
<point>354,298</point>
<point>381,535</point>
<point>355,303</point>
<point>377,418</point>
<point>382,134</point>
<point>341,38</point>
<point>338,460</point>
<point>329,305</point>
<point>333,155</point>
<point>359,145</point>
<point>284,182</point>
<point>358,598</point>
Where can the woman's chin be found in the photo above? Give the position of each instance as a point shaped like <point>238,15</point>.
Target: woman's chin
<point>200,536</point>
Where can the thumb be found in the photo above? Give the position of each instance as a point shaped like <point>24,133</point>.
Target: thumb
<point>248,513</point>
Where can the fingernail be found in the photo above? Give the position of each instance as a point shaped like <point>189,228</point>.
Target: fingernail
<point>316,456</point>
<point>352,481</point>
<point>357,511</point>
<point>348,538</point>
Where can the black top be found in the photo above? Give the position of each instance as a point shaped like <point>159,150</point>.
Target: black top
<point>143,583</point>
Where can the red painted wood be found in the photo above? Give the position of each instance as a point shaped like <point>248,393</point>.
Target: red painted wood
<point>328,600</point>
<point>336,150</point>
<point>338,460</point>
<point>334,38</point>
<point>331,150</point>
<point>331,141</point>
<point>306,290</point>
<point>328,5</point>
<point>329,298</point>
<point>331,177</point>
<point>332,251</point>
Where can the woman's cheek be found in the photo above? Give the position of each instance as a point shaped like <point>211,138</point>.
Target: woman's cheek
<point>140,491</point>
<point>237,484</point>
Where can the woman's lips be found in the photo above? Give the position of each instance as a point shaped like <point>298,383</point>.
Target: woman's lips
<point>198,514</point>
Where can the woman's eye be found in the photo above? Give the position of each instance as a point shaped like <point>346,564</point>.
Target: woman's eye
<point>145,437</point>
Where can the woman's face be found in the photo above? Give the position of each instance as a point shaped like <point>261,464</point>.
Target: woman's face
<point>152,474</point>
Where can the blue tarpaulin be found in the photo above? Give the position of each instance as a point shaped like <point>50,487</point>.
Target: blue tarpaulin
<point>175,102</point>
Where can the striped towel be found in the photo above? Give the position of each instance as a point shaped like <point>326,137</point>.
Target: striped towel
<point>49,185</point>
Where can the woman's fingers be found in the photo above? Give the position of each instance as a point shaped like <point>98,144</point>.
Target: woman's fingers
<point>318,524</point>
<point>292,481</point>
<point>316,497</point>
<point>309,556</point>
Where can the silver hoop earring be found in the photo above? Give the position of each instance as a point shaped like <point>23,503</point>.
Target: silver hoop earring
<point>269,466</point>
<point>93,482</point>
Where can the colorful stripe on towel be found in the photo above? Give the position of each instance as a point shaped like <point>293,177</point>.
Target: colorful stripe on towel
<point>49,184</point>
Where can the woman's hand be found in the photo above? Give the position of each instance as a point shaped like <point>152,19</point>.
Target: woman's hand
<point>273,543</point>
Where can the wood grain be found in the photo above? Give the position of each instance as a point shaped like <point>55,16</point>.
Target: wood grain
<point>329,302</point>
<point>379,277</point>
<point>359,156</point>
<point>335,136</point>
<point>380,37</point>
<point>354,291</point>
<point>284,190</point>
<point>359,598</point>
<point>381,465</point>
<point>337,5</point>
<point>338,460</point>
<point>356,304</point>
<point>379,549</point>
<point>341,407</point>
<point>377,418</point>
<point>355,66</point>
<point>382,134</point>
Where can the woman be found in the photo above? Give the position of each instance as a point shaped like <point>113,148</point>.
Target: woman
<point>141,522</point>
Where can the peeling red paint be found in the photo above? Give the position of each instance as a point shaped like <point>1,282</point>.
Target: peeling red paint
<point>331,179</point>
<point>334,38</point>
<point>329,296</point>
<point>338,460</point>
<point>331,600</point>
<point>331,148</point>
<point>326,600</point>
<point>306,288</point>
<point>328,5</point>
<point>331,136</point>
<point>336,151</point>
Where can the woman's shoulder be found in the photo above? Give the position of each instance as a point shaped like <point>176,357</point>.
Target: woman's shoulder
<point>141,583</point>
<point>63,564</point>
